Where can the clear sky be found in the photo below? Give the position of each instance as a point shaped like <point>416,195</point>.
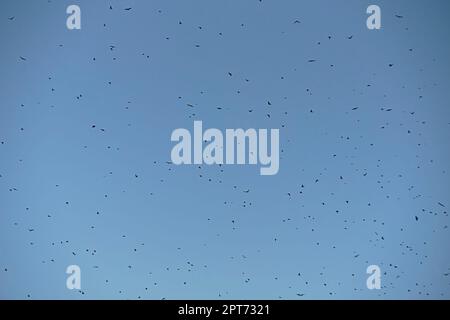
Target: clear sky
<point>85,174</point>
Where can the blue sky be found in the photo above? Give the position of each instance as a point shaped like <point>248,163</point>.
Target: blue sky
<point>85,125</point>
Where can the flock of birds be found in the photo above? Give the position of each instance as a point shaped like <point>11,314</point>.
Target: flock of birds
<point>319,199</point>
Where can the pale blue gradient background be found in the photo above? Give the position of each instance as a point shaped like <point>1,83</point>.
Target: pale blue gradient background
<point>180,219</point>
